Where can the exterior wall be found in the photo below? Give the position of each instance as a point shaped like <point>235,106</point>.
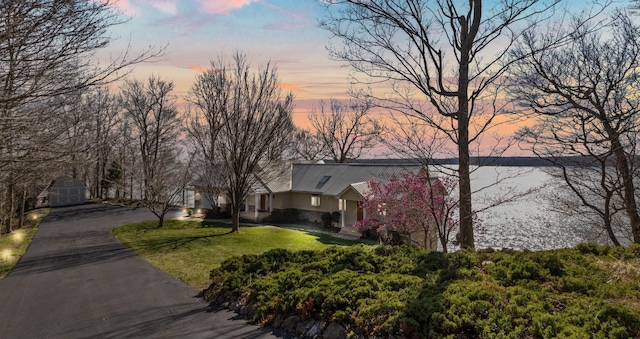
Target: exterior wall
<point>302,202</point>
<point>351,214</point>
<point>67,192</point>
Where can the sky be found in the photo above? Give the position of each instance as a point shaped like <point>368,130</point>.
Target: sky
<point>284,32</point>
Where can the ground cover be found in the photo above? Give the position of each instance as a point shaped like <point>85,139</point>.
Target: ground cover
<point>189,249</point>
<point>589,291</point>
<point>14,245</point>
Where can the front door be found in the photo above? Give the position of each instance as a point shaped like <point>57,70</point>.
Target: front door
<point>360,212</point>
<point>263,202</point>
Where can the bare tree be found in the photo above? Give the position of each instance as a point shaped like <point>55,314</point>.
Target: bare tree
<point>588,95</point>
<point>204,129</point>
<point>306,146</point>
<point>435,54</point>
<point>155,123</point>
<point>344,129</point>
<point>47,55</point>
<point>256,125</point>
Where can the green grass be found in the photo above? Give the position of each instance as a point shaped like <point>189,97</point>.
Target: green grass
<point>14,245</point>
<point>189,250</point>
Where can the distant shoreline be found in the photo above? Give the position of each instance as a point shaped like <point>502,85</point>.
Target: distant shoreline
<point>514,161</point>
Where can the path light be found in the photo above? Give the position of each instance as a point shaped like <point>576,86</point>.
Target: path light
<point>18,236</point>
<point>34,216</point>
<point>6,254</point>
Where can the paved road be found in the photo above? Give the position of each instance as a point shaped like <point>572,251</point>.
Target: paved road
<point>78,281</point>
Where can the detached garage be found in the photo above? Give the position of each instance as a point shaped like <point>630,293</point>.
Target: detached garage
<point>63,191</point>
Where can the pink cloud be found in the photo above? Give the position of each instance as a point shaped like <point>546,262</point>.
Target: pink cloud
<point>166,6</point>
<point>224,6</point>
<point>197,68</point>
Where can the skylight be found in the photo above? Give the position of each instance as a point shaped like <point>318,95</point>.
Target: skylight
<point>323,181</point>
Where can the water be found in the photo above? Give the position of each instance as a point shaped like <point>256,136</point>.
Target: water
<point>525,220</point>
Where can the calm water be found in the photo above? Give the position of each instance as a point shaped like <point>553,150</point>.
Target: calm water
<point>528,222</point>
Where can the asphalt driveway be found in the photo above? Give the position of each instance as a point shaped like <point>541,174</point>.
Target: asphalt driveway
<point>78,281</point>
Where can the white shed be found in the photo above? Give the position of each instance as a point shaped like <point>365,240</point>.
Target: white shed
<point>63,191</point>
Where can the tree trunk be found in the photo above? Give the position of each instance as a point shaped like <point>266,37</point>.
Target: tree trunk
<point>467,35</point>
<point>235,224</point>
<point>629,188</point>
<point>161,220</point>
<point>23,202</point>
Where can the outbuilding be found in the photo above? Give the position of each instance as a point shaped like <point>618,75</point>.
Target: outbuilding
<point>63,191</point>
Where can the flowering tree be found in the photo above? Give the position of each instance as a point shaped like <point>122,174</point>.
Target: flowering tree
<point>412,204</point>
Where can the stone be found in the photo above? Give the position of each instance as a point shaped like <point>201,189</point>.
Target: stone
<point>234,306</point>
<point>304,326</point>
<point>335,331</point>
<point>277,323</point>
<point>291,323</point>
<point>315,330</point>
<point>243,310</point>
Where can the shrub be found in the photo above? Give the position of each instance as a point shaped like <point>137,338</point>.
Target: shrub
<point>276,216</point>
<point>335,216</point>
<point>404,291</point>
<point>291,215</point>
<point>325,219</point>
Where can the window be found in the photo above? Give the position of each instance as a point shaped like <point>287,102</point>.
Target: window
<point>323,181</point>
<point>315,200</point>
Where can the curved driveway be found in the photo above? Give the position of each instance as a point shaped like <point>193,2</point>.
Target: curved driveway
<point>78,281</point>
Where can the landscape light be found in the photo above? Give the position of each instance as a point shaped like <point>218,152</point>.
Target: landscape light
<point>17,236</point>
<point>6,254</point>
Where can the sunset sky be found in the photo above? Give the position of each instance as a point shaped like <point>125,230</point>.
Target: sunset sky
<point>197,31</point>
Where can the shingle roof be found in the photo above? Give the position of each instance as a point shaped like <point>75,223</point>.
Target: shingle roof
<point>307,177</point>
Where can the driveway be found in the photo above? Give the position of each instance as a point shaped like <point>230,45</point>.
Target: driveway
<point>78,281</point>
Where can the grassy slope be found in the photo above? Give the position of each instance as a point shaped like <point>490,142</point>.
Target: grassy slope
<point>14,245</point>
<point>189,250</point>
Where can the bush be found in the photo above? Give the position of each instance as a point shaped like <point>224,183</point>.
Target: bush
<point>335,216</point>
<point>325,219</point>
<point>276,216</point>
<point>407,292</point>
<point>290,215</point>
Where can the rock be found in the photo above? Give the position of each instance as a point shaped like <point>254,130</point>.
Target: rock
<point>291,323</point>
<point>277,323</point>
<point>305,326</point>
<point>335,331</point>
<point>220,300</point>
<point>243,310</point>
<point>315,330</point>
<point>234,306</point>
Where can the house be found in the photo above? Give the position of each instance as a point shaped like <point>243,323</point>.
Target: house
<point>63,191</point>
<point>314,189</point>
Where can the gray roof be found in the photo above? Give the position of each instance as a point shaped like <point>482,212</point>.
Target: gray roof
<point>333,179</point>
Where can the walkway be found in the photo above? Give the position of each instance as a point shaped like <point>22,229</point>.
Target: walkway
<point>78,281</point>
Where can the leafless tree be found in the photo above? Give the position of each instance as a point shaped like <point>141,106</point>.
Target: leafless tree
<point>345,129</point>
<point>204,128</point>
<point>306,146</point>
<point>588,96</point>
<point>48,54</point>
<point>256,125</point>
<point>155,123</point>
<point>440,54</point>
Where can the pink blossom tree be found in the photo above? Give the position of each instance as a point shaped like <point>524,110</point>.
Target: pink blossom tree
<point>412,204</point>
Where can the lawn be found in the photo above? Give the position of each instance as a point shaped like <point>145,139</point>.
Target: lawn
<point>189,250</point>
<point>14,245</point>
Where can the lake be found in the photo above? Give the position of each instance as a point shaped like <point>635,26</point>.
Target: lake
<point>528,222</point>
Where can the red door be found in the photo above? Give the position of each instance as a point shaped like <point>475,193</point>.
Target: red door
<point>360,212</point>
<point>263,202</point>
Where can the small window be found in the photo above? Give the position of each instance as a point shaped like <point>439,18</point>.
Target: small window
<point>342,205</point>
<point>323,181</point>
<point>315,200</point>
